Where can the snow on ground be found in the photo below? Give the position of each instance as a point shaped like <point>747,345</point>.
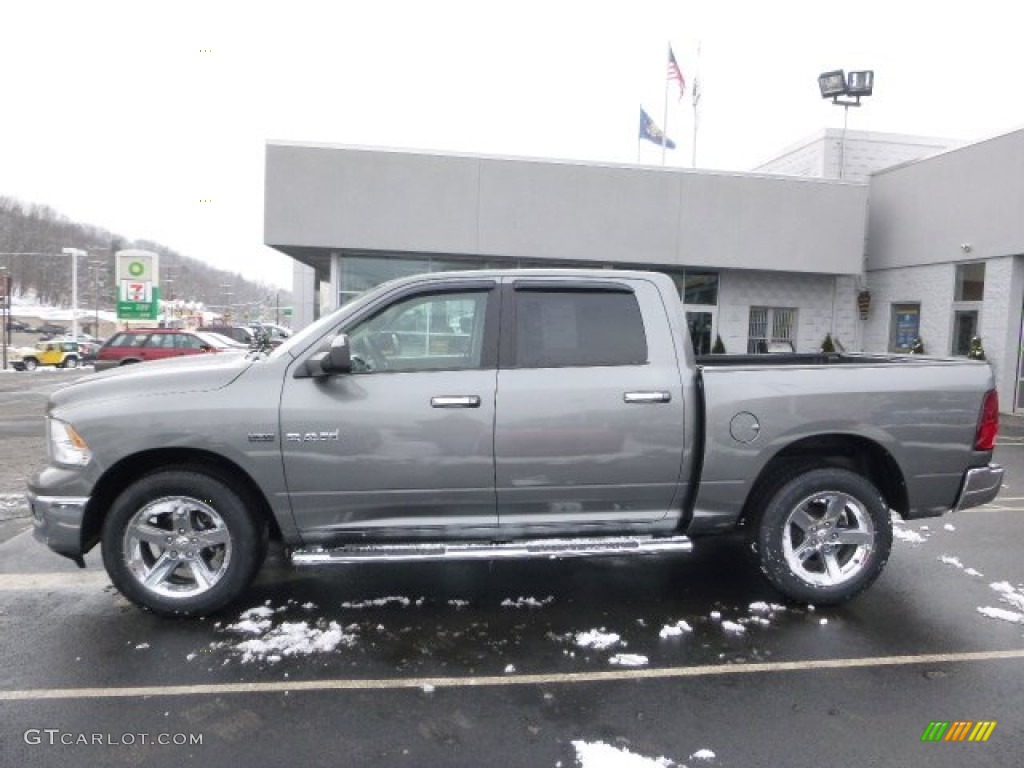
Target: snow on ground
<point>733,628</point>
<point>294,638</point>
<point>1008,594</point>
<point>628,660</point>
<point>763,607</point>
<point>1001,613</point>
<point>674,630</point>
<point>911,537</point>
<point>381,602</point>
<point>526,602</point>
<point>597,754</point>
<point>950,560</point>
<point>598,639</point>
<point>263,641</point>
<point>703,754</point>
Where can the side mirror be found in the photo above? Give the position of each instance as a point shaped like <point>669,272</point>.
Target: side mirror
<point>337,359</point>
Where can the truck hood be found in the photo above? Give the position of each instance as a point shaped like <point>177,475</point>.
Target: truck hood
<point>195,373</point>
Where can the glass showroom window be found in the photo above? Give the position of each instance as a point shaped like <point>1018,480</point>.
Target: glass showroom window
<point>967,297</point>
<point>771,329</point>
<point>698,291</point>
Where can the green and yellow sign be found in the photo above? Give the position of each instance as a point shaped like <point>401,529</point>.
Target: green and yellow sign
<point>138,289</point>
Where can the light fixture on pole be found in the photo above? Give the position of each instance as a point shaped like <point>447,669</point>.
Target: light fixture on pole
<point>853,85</point>
<point>74,253</point>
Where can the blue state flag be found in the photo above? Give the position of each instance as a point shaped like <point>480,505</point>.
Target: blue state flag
<point>651,132</point>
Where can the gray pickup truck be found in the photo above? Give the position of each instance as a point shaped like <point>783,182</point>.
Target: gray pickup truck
<point>505,414</point>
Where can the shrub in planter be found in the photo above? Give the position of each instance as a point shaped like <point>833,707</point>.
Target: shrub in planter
<point>976,352</point>
<point>718,348</point>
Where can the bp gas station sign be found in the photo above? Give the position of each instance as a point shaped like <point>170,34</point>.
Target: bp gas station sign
<point>138,291</point>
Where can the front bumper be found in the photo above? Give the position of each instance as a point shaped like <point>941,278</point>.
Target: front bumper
<point>57,522</point>
<point>981,485</point>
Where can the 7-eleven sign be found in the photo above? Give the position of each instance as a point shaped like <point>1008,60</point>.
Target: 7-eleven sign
<point>138,294</point>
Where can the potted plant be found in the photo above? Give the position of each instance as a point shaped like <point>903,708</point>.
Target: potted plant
<point>976,352</point>
<point>718,348</point>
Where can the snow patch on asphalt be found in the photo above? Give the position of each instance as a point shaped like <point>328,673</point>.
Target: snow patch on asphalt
<point>262,640</point>
<point>598,639</point>
<point>598,754</point>
<point>1009,594</point>
<point>911,537</point>
<point>1001,613</point>
<point>628,660</point>
<point>381,602</point>
<point>527,602</point>
<point>674,630</point>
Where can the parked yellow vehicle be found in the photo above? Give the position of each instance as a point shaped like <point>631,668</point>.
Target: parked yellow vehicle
<point>61,354</point>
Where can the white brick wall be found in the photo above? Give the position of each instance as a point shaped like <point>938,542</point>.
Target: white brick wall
<point>933,287</point>
<point>812,295</point>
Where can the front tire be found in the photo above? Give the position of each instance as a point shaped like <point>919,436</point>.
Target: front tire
<point>71,362</point>
<point>824,536</point>
<point>181,543</point>
<point>30,364</point>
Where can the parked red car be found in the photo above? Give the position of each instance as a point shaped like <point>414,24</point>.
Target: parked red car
<point>141,344</point>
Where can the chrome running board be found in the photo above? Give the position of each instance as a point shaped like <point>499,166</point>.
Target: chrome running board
<point>517,550</point>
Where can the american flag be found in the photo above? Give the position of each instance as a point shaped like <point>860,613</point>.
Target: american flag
<point>675,73</point>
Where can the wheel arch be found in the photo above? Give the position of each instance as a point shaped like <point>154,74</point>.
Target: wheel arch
<point>858,454</point>
<point>130,469</point>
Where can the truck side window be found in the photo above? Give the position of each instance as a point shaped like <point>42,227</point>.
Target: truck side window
<point>427,332</point>
<point>578,328</point>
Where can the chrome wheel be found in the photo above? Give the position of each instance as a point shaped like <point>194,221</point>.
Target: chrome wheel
<point>828,538</point>
<point>177,547</point>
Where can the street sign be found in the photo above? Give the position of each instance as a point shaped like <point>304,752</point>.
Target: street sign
<point>138,292</point>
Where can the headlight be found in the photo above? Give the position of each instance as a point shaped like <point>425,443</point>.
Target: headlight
<point>65,445</point>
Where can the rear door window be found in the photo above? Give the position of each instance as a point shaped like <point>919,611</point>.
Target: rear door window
<point>558,328</point>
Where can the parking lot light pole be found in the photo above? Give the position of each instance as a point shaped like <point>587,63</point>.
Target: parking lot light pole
<point>852,85</point>
<point>74,253</point>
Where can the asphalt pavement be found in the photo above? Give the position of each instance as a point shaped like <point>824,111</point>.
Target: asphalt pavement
<point>501,664</point>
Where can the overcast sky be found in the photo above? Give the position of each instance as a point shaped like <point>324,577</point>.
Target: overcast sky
<point>128,115</point>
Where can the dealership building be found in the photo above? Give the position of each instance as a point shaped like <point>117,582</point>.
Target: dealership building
<point>919,237</point>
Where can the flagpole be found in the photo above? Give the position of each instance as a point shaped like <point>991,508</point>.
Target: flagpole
<point>664,122</point>
<point>695,92</point>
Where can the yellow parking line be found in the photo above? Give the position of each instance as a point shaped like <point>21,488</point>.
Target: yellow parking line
<point>566,678</point>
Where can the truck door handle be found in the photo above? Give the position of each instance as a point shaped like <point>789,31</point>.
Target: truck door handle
<point>647,397</point>
<point>455,401</point>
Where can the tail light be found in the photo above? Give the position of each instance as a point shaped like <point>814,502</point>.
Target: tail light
<point>988,423</point>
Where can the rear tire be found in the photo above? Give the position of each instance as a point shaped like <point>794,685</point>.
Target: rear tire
<point>30,364</point>
<point>182,543</point>
<point>824,536</point>
<point>71,362</point>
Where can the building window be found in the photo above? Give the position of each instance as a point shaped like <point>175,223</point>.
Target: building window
<point>700,324</point>
<point>965,328</point>
<point>904,327</point>
<point>771,329</point>
<point>970,282</point>
<point>967,297</point>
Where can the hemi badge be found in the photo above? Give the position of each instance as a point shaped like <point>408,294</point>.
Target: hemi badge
<point>261,437</point>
